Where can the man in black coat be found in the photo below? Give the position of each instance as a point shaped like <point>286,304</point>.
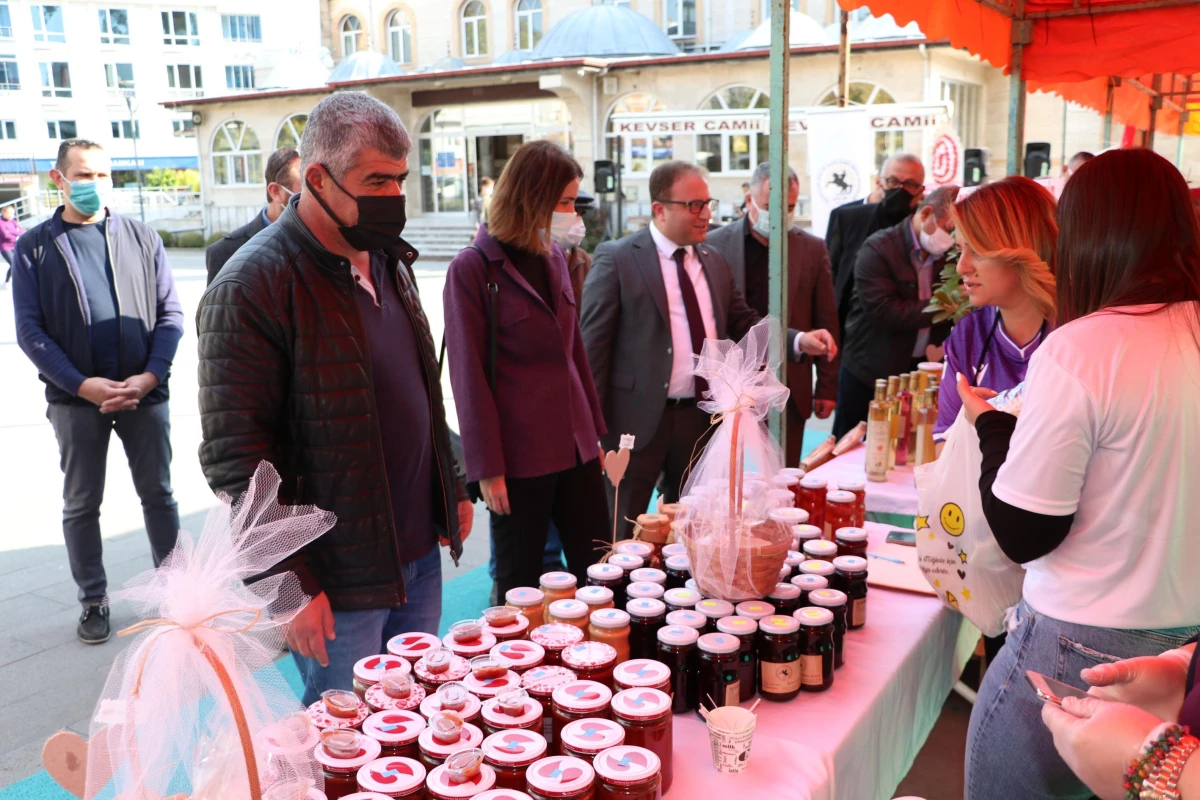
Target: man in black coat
<point>283,180</point>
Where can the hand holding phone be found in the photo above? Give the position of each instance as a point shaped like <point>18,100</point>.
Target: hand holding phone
<point>907,538</point>
<point>1051,691</point>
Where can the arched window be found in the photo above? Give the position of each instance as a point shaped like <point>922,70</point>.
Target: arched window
<point>866,93</point>
<point>529,24</point>
<point>474,29</point>
<point>731,153</point>
<point>639,154</point>
<point>400,37</point>
<point>291,131</point>
<point>236,156</point>
<point>351,33</point>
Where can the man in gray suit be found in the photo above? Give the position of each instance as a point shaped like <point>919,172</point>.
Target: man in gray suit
<point>812,311</point>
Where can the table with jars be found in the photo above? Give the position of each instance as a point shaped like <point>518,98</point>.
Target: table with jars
<point>847,472</point>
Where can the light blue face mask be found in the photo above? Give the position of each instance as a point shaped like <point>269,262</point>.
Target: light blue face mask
<point>88,197</point>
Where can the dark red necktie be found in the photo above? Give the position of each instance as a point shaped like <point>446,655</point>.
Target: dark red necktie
<point>695,321</point>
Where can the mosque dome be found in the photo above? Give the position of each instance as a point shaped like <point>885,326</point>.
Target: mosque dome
<point>805,32</point>
<point>604,32</point>
<point>364,64</point>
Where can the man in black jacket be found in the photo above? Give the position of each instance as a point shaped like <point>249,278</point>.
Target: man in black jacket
<point>315,355</point>
<point>889,331</point>
<point>283,180</point>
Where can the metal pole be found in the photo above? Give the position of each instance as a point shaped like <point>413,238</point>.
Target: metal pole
<point>1064,138</point>
<point>780,221</point>
<point>1108,111</point>
<point>137,162</point>
<point>1021,34</point>
<point>1183,118</point>
<point>620,192</point>
<point>1155,105</point>
<point>844,60</point>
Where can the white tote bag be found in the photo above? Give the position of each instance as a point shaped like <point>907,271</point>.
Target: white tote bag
<point>955,547</point>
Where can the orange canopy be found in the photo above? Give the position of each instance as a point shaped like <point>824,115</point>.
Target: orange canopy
<point>1074,45</point>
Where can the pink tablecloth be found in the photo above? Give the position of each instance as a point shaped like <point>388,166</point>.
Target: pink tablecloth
<point>897,496</point>
<point>857,740</point>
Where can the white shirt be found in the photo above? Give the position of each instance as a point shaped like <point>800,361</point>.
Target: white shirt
<point>1110,431</point>
<point>683,383</point>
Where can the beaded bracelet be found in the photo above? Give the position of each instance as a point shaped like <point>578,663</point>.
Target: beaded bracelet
<point>1153,752</point>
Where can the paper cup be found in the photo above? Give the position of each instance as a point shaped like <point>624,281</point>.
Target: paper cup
<point>730,730</point>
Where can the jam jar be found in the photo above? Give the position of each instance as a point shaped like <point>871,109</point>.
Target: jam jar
<point>681,599</point>
<point>754,609</point>
<point>467,638</point>
<point>789,483</point>
<point>835,601</point>
<point>341,754</point>
<point>677,649</point>
<point>509,754</point>
<point>512,710</point>
<point>541,682</point>
<point>443,737</point>
<point>505,623</point>
<point>628,773</point>
<point>555,637</point>
<point>840,511</point>
<point>746,632</point>
<point>640,589</point>
<point>454,697</point>
<point>568,612</point>
<point>449,783</point>
<point>677,571</point>
<point>689,619</point>
<point>597,597</point>
<point>592,661</point>
<point>586,738</point>
<point>393,776</point>
<point>791,565</point>
<point>858,488</point>
<point>338,708</point>
<point>817,567</point>
<point>816,648</point>
<point>611,626</point>
<point>577,699</point>
<point>808,584</point>
<point>788,516</point>
<point>676,549</point>
<point>851,577</point>
<point>646,616</point>
<point>812,499</point>
<point>633,547</point>
<point>821,550</point>
<point>490,688</point>
<point>610,576</point>
<point>648,575</point>
<point>785,598</point>
<point>368,671</point>
<point>720,681</point>
<point>521,654</point>
<point>851,542</point>
<point>557,586</point>
<point>713,610</point>
<point>561,778</point>
<point>530,602</point>
<point>398,691</point>
<point>646,716</point>
<point>413,646</point>
<point>502,794</point>
<point>802,534</point>
<point>283,742</point>
<point>438,667</point>
<point>642,673</point>
<point>396,732</point>
<point>627,562</point>
<point>778,658</point>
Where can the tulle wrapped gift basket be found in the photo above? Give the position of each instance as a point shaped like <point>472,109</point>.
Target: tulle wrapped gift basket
<point>736,549</point>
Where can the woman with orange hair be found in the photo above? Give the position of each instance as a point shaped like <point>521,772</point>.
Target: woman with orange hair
<point>1008,234</point>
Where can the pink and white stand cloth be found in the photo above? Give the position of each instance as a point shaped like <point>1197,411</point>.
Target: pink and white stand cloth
<point>898,495</point>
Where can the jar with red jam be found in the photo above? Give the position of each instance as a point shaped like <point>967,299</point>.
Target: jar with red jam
<point>812,499</point>
<point>689,619</point>
<point>502,794</point>
<point>858,488</point>
<point>646,716</point>
<point>788,516</point>
<point>578,699</point>
<point>634,547</point>
<point>779,678</point>
<point>785,598</point>
<point>648,575</point>
<point>677,649</point>
<point>557,586</point>
<point>592,661</point>
<point>553,638</point>
<point>439,667</point>
<point>628,562</point>
<point>396,732</point>
<point>851,542</point>
<point>396,692</point>
<point>610,576</point>
<point>802,534</point>
<point>745,630</point>
<point>850,577</point>
<point>530,602</point>
<point>791,565</point>
<point>338,708</point>
<point>790,483</point>
<point>720,681</point>
<point>444,736</point>
<point>505,623</point>
<point>597,598</point>
<point>464,775</point>
<point>489,676</point>
<point>412,647</point>
<point>521,654</point>
<point>642,673</point>
<point>822,569</point>
<point>639,589</point>
<point>512,710</point>
<point>821,550</point>
<point>712,610</point>
<point>467,638</point>
<point>610,626</point>
<point>840,511</point>
<point>341,754</point>
<point>455,697</point>
<point>369,671</point>
<point>809,584</point>
<point>628,773</point>
<point>816,648</point>
<point>754,609</point>
<point>561,778</point>
<point>681,599</point>
<point>587,738</point>
<point>835,601</point>
<point>393,776</point>
<point>541,682</point>
<point>568,612</point>
<point>677,569</point>
<point>646,616</point>
<point>510,753</point>
<point>675,549</point>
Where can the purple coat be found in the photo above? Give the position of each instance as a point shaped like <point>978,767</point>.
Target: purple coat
<point>10,231</point>
<point>544,411</point>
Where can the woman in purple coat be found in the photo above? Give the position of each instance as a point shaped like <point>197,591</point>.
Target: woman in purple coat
<point>10,231</point>
<point>527,409</point>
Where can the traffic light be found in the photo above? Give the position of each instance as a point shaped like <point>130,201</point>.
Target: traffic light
<point>606,176</point>
<point>974,166</point>
<point>1037,159</point>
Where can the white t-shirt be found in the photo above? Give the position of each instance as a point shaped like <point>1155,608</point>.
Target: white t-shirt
<point>1110,431</point>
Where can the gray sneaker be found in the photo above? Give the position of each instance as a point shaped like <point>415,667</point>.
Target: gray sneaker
<point>93,625</point>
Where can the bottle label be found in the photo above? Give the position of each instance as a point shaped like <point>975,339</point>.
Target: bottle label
<point>780,678</point>
<point>811,671</point>
<point>877,449</point>
<point>733,693</point>
<point>858,612</point>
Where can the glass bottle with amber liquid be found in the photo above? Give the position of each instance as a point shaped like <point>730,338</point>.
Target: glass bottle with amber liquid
<point>893,401</point>
<point>918,401</point>
<point>878,435</point>
<point>904,401</point>
<point>926,418</point>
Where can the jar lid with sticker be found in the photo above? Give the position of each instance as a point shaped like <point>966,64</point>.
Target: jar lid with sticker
<point>557,635</point>
<point>516,748</point>
<point>645,589</point>
<point>648,575</point>
<point>785,480</point>
<point>840,497</point>
<point>455,669</point>
<point>589,656</point>
<point>850,534</point>
<point>470,647</point>
<point>808,582</point>
<point>634,548</point>
<point>560,776</point>
<point>713,608</point>
<point>391,776</point>
<point>674,549</point>
<point>737,626</point>
<point>610,618</point>
<point>646,607</point>
<point>682,598</point>
<point>784,591</point>
<point>355,796</point>
<point>495,713</point>
<point>499,794</point>
<point>641,673</point>
<point>687,618</point>
<point>518,627</point>
<point>293,735</point>
<point>470,737</point>
<point>351,713</point>
<point>582,696</point>
<point>827,598</point>
<point>569,609</point>
<point>592,736</point>
<point>794,557</point>
<point>813,482</point>
<point>754,609</point>
<point>778,626</point>
<point>628,562</point>
<point>394,727</point>
<point>524,597</point>
<point>605,572</point>
<point>452,697</point>
<point>353,750</point>
<point>542,681</point>
<point>678,636</point>
<point>678,563</point>
<point>558,580</point>
<point>811,617</point>
<point>487,688</point>
<point>627,765</point>
<point>719,643</point>
<point>797,472</point>
<point>412,646</point>
<point>805,533</point>
<point>852,484</point>
<point>817,567</point>
<point>820,548</point>
<point>850,564</point>
<point>370,670</point>
<point>641,703</point>
<point>781,498</point>
<point>443,784</point>
<point>521,654</point>
<point>788,515</point>
<point>593,596</point>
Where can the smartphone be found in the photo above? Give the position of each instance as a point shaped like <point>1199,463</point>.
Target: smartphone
<point>1051,691</point>
<point>908,538</point>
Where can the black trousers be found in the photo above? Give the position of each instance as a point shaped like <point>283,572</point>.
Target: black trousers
<point>853,402</point>
<point>574,500</point>
<point>664,462</point>
<point>795,437</point>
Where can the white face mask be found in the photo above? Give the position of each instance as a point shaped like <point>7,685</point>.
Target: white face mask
<point>936,243</point>
<point>567,229</point>
<point>762,224</point>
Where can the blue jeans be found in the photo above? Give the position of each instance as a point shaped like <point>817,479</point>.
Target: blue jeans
<point>366,633</point>
<point>1010,753</point>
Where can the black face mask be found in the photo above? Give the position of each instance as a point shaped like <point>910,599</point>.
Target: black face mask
<point>380,219</point>
<point>896,205</point>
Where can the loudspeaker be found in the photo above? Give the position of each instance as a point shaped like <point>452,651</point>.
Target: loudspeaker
<point>974,166</point>
<point>1037,159</point>
<point>606,176</point>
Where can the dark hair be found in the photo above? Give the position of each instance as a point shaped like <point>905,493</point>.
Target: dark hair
<point>1128,234</point>
<point>278,164</point>
<point>527,193</point>
<point>941,199</point>
<point>67,146</point>
<point>665,176</point>
<point>1083,156</point>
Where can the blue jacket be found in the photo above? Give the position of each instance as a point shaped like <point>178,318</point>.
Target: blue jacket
<point>52,312</point>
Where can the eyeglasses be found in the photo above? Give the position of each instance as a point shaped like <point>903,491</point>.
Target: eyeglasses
<point>695,206</point>
<point>910,186</point>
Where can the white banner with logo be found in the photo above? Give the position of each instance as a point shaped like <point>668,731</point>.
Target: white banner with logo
<point>840,160</point>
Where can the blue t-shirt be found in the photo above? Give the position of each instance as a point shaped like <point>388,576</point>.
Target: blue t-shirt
<point>90,246</point>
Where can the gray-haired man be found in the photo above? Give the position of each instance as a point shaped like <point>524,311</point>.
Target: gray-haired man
<point>315,355</point>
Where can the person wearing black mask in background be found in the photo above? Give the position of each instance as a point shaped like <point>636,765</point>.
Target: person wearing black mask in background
<point>903,182</point>
<point>316,356</point>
